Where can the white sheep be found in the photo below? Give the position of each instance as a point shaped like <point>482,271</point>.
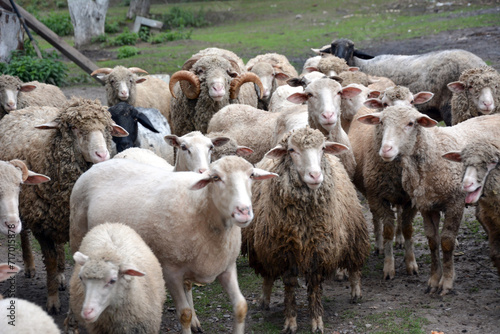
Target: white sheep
<point>308,222</point>
<point>273,70</point>
<point>194,221</point>
<point>117,284</point>
<point>209,81</point>
<point>62,144</point>
<point>380,182</point>
<point>255,128</point>
<point>431,72</point>
<point>15,94</point>
<point>20,316</point>
<point>481,182</point>
<point>432,183</point>
<point>123,84</point>
<point>475,94</point>
<point>13,174</point>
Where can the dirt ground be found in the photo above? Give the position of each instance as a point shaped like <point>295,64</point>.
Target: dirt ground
<point>473,307</point>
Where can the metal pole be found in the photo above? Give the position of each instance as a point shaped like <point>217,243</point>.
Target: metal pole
<point>26,29</point>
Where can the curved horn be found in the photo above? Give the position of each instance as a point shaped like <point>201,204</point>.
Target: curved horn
<point>190,62</point>
<point>234,89</point>
<point>19,164</point>
<point>105,70</point>
<point>192,79</point>
<point>137,70</point>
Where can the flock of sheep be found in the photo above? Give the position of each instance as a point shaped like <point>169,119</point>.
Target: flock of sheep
<point>170,182</point>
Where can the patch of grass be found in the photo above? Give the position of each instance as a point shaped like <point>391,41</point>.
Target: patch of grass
<point>58,22</point>
<point>402,321</point>
<point>125,38</point>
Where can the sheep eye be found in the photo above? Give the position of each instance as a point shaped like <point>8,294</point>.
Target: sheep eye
<point>291,150</point>
<point>410,124</point>
<point>212,147</point>
<point>183,147</point>
<point>112,81</point>
<point>385,104</point>
<point>199,71</point>
<point>112,281</point>
<point>216,178</point>
<point>411,102</point>
<point>310,95</point>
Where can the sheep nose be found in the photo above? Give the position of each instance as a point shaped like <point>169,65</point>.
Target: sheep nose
<point>11,104</point>
<point>328,115</point>
<point>218,87</point>
<point>102,155</point>
<point>245,210</point>
<point>315,176</point>
<point>386,148</point>
<point>87,312</point>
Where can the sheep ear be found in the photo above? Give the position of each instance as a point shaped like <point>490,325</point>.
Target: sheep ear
<point>276,152</point>
<point>453,156</point>
<point>8,270</point>
<point>335,148</point>
<point>140,80</point>
<point>350,92</point>
<point>144,120</point>
<point>130,270</point>
<point>80,258</point>
<point>422,97</point>
<point>456,87</point>
<point>295,82</point>
<point>373,103</point>
<point>374,94</point>
<point>312,69</point>
<point>260,174</point>
<point>172,140</point>
<point>48,126</point>
<point>219,141</point>
<point>35,178</point>
<point>426,121</point>
<point>27,88</point>
<point>118,131</point>
<point>353,69</point>
<point>370,119</point>
<point>243,151</point>
<point>298,98</point>
<point>281,76</point>
<point>203,182</point>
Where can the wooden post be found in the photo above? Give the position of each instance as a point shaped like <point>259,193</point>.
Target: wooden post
<point>86,64</point>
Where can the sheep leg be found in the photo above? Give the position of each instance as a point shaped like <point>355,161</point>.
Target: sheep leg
<point>377,231</point>
<point>61,263</point>
<point>174,282</point>
<point>400,241</point>
<point>195,323</point>
<point>314,293</point>
<point>492,227</point>
<point>355,281</point>
<point>291,282</point>
<point>407,215</point>
<point>453,218</point>
<point>431,228</point>
<point>229,281</point>
<point>50,260</point>
<point>29,262</point>
<point>70,323</point>
<point>387,213</point>
<point>267,288</point>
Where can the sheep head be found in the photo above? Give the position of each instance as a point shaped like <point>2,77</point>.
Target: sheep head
<point>213,74</point>
<point>120,83</point>
<point>9,89</point>
<point>344,48</point>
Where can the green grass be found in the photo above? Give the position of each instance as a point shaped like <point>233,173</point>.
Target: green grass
<point>253,27</point>
<point>402,321</point>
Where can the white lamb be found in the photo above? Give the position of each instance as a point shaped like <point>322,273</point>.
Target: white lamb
<point>117,284</point>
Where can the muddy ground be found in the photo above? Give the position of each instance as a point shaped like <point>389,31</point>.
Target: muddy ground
<point>473,307</point>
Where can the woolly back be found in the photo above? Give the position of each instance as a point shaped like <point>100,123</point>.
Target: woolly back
<point>332,63</point>
<point>357,77</point>
<point>397,93</point>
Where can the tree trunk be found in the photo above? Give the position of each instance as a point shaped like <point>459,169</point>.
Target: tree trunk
<point>88,18</point>
<point>138,8</point>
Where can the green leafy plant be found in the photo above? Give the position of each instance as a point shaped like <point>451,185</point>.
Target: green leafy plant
<point>144,33</point>
<point>111,27</point>
<point>170,36</point>
<point>60,23</point>
<point>28,67</point>
<point>127,52</point>
<point>103,38</point>
<point>125,38</point>
<point>178,17</point>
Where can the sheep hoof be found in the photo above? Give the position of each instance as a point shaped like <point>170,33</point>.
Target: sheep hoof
<point>356,299</point>
<point>197,329</point>
<point>30,273</point>
<point>53,305</point>
<point>264,306</point>
<point>61,281</point>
